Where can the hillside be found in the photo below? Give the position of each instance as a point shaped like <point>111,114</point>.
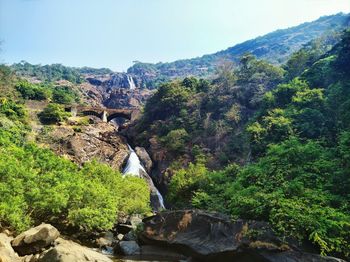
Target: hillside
<point>275,47</point>
<point>256,145</point>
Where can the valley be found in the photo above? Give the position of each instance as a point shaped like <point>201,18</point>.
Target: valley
<point>242,155</point>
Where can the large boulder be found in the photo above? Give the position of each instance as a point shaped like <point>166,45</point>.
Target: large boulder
<point>213,237</point>
<point>35,239</point>
<point>7,254</point>
<point>69,251</point>
<point>127,248</point>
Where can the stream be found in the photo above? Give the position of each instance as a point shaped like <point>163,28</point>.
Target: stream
<point>134,168</point>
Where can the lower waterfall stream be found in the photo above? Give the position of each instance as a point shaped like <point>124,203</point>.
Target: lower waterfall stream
<point>134,168</point>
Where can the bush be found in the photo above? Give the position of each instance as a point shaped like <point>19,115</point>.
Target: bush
<point>53,113</point>
<point>175,140</point>
<point>38,186</point>
<point>32,91</point>
<point>64,95</point>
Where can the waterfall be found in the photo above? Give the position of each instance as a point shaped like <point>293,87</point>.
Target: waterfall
<point>134,168</point>
<point>131,82</point>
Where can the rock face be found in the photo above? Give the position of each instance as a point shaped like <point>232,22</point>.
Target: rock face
<point>35,239</point>
<point>122,98</point>
<point>145,159</point>
<point>97,141</point>
<point>68,251</point>
<point>7,254</point>
<point>213,237</point>
<point>116,90</point>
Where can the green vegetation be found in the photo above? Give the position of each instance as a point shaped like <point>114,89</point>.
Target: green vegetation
<point>286,143</point>
<point>38,186</point>
<point>49,73</point>
<point>53,114</point>
<point>275,47</point>
<point>58,94</point>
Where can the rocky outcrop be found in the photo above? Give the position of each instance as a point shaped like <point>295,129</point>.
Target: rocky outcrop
<point>213,237</point>
<point>122,98</point>
<point>35,239</point>
<point>97,141</point>
<point>117,90</point>
<point>69,251</point>
<point>145,159</point>
<point>7,254</point>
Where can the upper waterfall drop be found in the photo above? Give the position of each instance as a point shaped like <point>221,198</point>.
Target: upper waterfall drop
<point>134,168</point>
<point>131,82</point>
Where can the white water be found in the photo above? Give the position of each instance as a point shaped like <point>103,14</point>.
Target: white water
<point>131,82</point>
<point>133,167</point>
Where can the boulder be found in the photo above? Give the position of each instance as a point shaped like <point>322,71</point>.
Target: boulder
<point>145,158</point>
<point>30,258</point>
<point>35,239</point>
<point>214,237</point>
<point>127,248</point>
<point>105,240</point>
<point>69,251</point>
<point>7,254</point>
<point>124,228</point>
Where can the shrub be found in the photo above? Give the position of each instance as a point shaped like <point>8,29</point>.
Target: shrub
<point>53,113</point>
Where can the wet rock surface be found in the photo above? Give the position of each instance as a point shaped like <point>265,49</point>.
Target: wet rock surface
<point>213,237</point>
<point>144,158</point>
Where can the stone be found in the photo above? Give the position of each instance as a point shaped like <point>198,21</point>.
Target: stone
<point>130,236</point>
<point>127,248</point>
<point>120,237</point>
<point>30,258</point>
<point>69,251</point>
<point>105,240</point>
<point>145,159</point>
<point>124,228</point>
<point>35,239</point>
<point>7,254</point>
<point>214,237</point>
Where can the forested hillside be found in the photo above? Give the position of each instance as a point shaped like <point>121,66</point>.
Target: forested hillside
<point>275,47</point>
<point>283,134</point>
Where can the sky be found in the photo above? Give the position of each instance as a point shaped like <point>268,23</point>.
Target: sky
<point>114,33</point>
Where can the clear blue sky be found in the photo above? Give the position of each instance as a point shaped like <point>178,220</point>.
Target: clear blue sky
<point>113,33</point>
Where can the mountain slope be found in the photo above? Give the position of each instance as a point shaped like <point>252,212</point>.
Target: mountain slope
<point>275,47</point>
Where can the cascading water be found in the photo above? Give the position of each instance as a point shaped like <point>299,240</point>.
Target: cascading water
<point>134,168</point>
<point>131,82</point>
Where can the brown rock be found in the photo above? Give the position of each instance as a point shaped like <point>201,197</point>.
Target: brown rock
<point>7,254</point>
<point>35,239</point>
<point>68,251</point>
<point>145,159</point>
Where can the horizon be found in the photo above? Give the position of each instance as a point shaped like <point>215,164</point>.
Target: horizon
<point>24,42</point>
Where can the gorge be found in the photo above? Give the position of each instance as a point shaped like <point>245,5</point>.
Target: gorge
<point>251,155</point>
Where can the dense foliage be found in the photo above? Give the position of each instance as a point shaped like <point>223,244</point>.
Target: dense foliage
<point>294,135</point>
<point>48,73</point>
<point>38,186</point>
